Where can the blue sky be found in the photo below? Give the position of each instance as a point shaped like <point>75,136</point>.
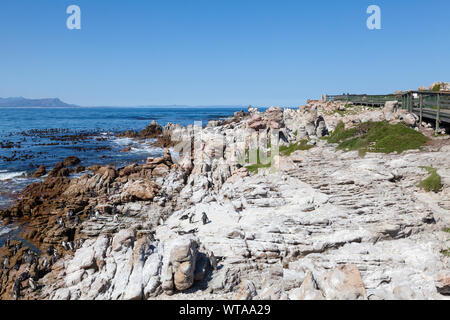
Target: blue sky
<point>211,52</point>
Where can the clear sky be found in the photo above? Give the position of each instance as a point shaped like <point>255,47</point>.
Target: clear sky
<point>211,52</point>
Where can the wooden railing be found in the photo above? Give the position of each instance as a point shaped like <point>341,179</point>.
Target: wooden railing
<point>426,104</point>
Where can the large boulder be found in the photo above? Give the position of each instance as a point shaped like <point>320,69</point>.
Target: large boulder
<point>308,290</point>
<point>389,109</point>
<point>138,190</point>
<point>71,161</point>
<point>179,264</point>
<point>343,283</point>
<point>256,122</point>
<point>409,119</point>
<point>151,131</point>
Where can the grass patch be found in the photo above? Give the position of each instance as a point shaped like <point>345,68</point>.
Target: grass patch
<point>288,150</point>
<point>254,167</point>
<point>380,137</point>
<point>283,150</point>
<point>433,182</point>
<point>446,230</point>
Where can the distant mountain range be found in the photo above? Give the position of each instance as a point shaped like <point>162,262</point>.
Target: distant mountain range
<point>21,102</point>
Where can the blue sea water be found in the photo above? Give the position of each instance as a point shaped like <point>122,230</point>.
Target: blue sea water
<point>30,137</point>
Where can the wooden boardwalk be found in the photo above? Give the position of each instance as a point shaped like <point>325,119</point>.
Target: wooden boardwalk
<point>425,104</point>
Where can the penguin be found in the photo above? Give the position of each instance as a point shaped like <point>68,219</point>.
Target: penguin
<point>191,218</point>
<point>80,243</point>
<point>33,259</point>
<point>61,222</point>
<point>5,263</point>
<point>24,276</point>
<point>97,214</point>
<point>16,290</point>
<point>32,284</point>
<point>17,265</point>
<point>116,218</point>
<point>8,242</point>
<point>142,252</point>
<point>69,214</point>
<point>54,258</point>
<point>50,250</point>
<point>17,247</point>
<point>205,218</point>
<point>44,263</point>
<point>70,245</point>
<point>64,245</point>
<point>185,217</point>
<point>77,220</point>
<point>212,260</point>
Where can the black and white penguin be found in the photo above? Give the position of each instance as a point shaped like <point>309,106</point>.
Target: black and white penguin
<point>8,242</point>
<point>5,263</point>
<point>44,263</point>
<point>50,250</point>
<point>77,220</point>
<point>205,218</point>
<point>16,290</point>
<point>212,260</point>
<point>32,284</point>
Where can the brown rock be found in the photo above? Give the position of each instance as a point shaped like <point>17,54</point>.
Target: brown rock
<point>138,190</point>
<point>443,283</point>
<point>71,161</point>
<point>41,171</point>
<point>160,170</point>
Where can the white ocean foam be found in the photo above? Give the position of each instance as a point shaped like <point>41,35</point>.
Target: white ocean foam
<point>123,141</point>
<point>4,175</point>
<point>5,230</point>
<point>147,149</point>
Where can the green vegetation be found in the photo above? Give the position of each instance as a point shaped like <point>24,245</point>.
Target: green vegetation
<point>433,182</point>
<point>436,88</point>
<point>446,230</point>
<point>302,145</point>
<point>283,150</point>
<point>254,167</point>
<point>380,137</point>
<point>446,252</point>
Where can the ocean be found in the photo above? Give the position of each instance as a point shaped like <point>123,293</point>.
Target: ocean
<point>31,137</point>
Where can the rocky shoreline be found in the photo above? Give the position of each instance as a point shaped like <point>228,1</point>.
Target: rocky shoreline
<point>196,223</point>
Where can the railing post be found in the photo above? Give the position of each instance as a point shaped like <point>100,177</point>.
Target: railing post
<point>438,111</point>
<point>421,109</point>
<point>410,102</point>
